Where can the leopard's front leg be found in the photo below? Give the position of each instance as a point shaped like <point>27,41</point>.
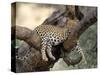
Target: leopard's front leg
<point>43,50</point>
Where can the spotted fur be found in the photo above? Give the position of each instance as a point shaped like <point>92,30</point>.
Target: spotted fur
<point>50,36</point>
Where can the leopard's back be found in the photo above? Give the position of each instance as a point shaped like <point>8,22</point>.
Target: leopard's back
<point>50,31</point>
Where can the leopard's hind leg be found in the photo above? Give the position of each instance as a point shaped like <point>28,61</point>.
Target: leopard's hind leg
<point>43,50</point>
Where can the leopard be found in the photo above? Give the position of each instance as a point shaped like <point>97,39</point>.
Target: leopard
<point>50,36</point>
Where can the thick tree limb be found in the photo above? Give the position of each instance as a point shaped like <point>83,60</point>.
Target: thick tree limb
<point>87,21</point>
<point>26,34</point>
<point>34,61</point>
